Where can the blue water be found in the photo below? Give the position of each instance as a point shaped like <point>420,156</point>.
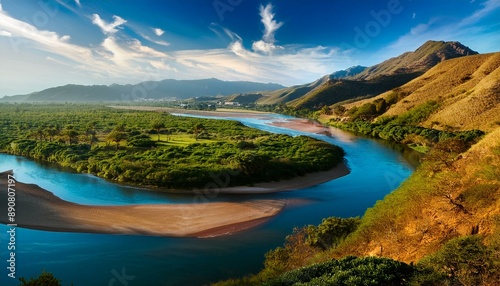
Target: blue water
<point>98,259</point>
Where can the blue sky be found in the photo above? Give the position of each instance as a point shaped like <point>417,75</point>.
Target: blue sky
<point>55,42</point>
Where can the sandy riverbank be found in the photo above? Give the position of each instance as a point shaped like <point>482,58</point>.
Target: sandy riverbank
<point>307,125</point>
<point>306,181</point>
<point>37,208</point>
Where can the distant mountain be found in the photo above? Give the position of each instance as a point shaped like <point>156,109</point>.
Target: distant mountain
<point>165,89</point>
<point>365,82</point>
<point>421,60</point>
<point>350,72</point>
<point>467,91</point>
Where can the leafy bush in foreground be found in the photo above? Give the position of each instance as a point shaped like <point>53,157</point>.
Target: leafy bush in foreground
<point>349,271</point>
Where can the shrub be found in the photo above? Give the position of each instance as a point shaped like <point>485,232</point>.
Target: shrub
<point>349,271</point>
<point>331,231</point>
<point>465,260</point>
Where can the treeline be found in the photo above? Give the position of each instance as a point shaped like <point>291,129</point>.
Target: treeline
<point>145,148</point>
<point>402,128</point>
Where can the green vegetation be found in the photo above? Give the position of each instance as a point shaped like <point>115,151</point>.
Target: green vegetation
<point>349,271</point>
<point>402,128</point>
<point>158,149</point>
<point>45,279</point>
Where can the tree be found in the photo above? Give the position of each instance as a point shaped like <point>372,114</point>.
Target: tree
<point>158,126</point>
<point>331,231</point>
<point>45,279</point>
<point>116,136</point>
<point>197,130</point>
<point>446,152</point>
<point>71,134</point>
<point>325,110</point>
<point>91,133</point>
<point>51,132</point>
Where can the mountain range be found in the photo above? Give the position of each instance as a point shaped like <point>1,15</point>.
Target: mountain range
<point>359,81</point>
<point>166,89</point>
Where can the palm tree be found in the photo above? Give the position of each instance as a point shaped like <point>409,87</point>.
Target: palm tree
<point>158,126</point>
<point>71,134</point>
<point>51,132</point>
<point>91,133</point>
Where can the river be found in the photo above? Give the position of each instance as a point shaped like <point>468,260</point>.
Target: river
<point>100,259</point>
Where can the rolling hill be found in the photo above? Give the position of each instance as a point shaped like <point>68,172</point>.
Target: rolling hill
<point>165,89</point>
<point>467,91</point>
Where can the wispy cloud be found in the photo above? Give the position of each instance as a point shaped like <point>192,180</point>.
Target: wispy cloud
<point>266,45</point>
<point>469,31</point>
<point>108,28</point>
<point>488,7</point>
<point>270,25</point>
<point>158,31</point>
<point>78,3</point>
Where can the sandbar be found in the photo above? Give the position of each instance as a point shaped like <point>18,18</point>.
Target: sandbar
<point>37,208</point>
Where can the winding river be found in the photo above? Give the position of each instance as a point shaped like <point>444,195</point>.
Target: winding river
<point>100,259</point>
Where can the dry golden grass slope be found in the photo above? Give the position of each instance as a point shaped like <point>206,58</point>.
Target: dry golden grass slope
<point>467,88</point>
<point>419,217</point>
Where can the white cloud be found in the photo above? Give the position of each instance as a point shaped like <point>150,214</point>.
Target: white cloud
<point>158,31</point>
<point>5,33</point>
<point>108,28</point>
<point>266,45</point>
<point>78,3</point>
<point>266,48</point>
<point>158,42</point>
<point>488,7</point>
<point>270,25</point>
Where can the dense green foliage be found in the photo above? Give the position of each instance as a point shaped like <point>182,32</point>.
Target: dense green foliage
<point>146,148</point>
<point>402,128</point>
<point>331,231</point>
<point>45,279</point>
<point>349,271</point>
<point>461,261</point>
